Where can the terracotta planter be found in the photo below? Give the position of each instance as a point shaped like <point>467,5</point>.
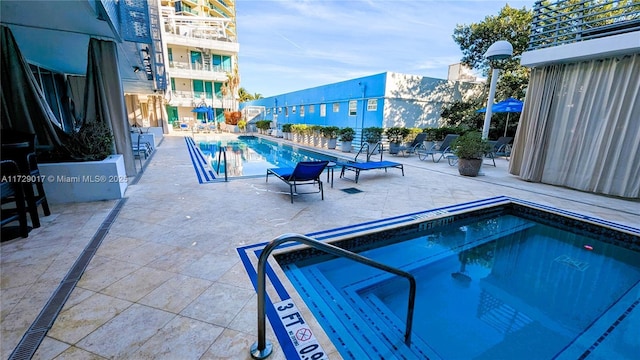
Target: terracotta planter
<point>469,167</point>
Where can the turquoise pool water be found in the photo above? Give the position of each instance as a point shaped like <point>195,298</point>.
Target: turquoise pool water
<point>252,156</point>
<point>501,285</point>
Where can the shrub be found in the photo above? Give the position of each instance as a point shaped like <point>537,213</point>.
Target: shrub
<point>286,128</point>
<point>372,134</point>
<point>330,132</point>
<point>470,146</point>
<point>397,134</point>
<point>347,134</point>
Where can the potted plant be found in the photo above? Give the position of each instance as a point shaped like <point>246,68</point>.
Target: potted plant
<point>316,134</point>
<point>331,134</point>
<point>470,149</point>
<point>286,131</point>
<point>372,135</point>
<point>396,136</point>
<point>242,125</point>
<point>346,137</point>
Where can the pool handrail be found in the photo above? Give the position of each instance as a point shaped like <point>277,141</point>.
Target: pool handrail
<point>262,348</point>
<point>222,150</point>
<point>377,146</point>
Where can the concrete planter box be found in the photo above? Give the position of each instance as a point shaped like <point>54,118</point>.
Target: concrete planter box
<point>84,181</point>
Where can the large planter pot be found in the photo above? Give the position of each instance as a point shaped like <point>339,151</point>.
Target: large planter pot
<point>469,167</point>
<point>69,182</point>
<point>373,149</point>
<point>394,148</point>
<point>345,146</point>
<point>332,143</point>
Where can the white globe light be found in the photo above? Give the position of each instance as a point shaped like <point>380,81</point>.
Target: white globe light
<point>499,50</point>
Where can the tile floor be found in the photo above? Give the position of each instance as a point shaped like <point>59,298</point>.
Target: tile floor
<point>167,283</point>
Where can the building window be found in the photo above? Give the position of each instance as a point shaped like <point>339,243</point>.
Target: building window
<point>353,106</point>
<point>268,111</point>
<point>312,109</point>
<point>372,105</point>
<point>286,111</point>
<point>301,110</point>
<point>336,107</point>
<point>323,110</point>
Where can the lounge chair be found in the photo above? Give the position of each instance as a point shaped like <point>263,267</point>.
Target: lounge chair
<point>305,173</point>
<point>499,147</point>
<point>415,145</point>
<point>442,150</point>
<point>369,165</point>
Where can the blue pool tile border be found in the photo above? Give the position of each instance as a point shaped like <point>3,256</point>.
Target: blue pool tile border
<point>279,330</point>
<point>199,162</point>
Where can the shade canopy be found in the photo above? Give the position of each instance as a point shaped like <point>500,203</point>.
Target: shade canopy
<point>205,110</point>
<point>509,105</point>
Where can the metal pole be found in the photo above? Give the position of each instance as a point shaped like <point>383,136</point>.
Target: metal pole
<point>492,94</point>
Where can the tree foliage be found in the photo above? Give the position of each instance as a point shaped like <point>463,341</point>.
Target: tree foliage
<point>245,96</point>
<point>510,24</point>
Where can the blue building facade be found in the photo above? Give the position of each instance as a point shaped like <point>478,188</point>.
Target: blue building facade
<point>381,100</point>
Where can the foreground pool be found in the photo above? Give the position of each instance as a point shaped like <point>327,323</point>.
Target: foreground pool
<point>496,279</point>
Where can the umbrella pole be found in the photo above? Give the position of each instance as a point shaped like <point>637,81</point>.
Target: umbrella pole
<point>506,125</point>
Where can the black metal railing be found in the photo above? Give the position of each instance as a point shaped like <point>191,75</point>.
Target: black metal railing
<point>562,22</point>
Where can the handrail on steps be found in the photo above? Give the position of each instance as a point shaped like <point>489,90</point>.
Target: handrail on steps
<point>263,348</point>
<point>221,151</point>
<point>364,146</point>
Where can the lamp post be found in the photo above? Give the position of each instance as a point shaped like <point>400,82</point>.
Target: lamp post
<point>499,50</point>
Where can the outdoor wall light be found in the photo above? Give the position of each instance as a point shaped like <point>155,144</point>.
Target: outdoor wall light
<point>499,50</point>
<point>136,69</point>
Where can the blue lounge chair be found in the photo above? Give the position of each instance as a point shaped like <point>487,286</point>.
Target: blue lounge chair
<point>305,173</point>
<point>370,165</point>
<point>443,150</point>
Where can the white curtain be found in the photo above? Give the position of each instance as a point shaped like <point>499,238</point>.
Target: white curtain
<point>584,132</point>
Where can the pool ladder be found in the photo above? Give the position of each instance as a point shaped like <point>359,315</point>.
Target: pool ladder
<point>365,149</point>
<point>263,348</point>
<point>222,153</point>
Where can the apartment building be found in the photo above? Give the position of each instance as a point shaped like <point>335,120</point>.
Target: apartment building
<point>201,48</point>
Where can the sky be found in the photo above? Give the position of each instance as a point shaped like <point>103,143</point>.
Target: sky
<point>289,45</point>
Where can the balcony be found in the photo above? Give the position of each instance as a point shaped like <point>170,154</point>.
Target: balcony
<point>197,71</point>
<point>563,31</point>
<point>563,22</point>
<point>191,99</point>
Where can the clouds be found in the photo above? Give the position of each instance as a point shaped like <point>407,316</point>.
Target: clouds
<point>292,45</point>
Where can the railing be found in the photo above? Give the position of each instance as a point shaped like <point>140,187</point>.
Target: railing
<point>562,22</point>
<point>262,348</point>
<point>222,152</point>
<point>364,148</point>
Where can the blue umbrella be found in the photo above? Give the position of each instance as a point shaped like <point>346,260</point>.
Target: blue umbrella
<point>205,110</point>
<point>508,106</point>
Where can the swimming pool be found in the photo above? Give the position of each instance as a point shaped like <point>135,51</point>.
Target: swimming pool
<point>252,156</point>
<point>497,278</point>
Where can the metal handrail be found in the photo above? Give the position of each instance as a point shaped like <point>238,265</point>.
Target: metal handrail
<point>378,145</point>
<point>362,148</point>
<point>262,348</point>
<point>221,151</point>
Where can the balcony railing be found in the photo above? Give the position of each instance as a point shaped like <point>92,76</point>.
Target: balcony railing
<point>561,22</point>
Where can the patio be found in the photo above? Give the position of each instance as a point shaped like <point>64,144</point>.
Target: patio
<point>166,280</point>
